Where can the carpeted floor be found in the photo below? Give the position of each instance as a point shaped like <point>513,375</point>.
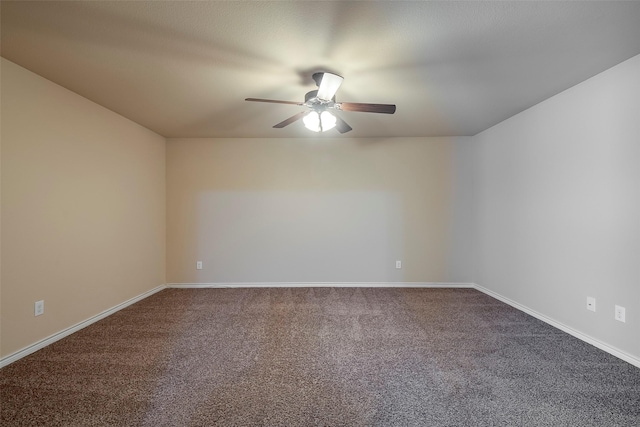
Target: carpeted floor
<point>320,356</point>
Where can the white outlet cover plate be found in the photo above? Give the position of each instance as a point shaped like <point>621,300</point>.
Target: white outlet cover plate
<point>591,304</point>
<point>620,313</point>
<point>38,308</point>
<point>398,264</point>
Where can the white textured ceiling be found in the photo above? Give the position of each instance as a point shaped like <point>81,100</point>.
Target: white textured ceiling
<point>183,69</point>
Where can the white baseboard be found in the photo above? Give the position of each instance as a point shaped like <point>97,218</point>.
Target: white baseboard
<point>581,336</point>
<point>323,285</point>
<point>7,360</point>
<point>66,332</point>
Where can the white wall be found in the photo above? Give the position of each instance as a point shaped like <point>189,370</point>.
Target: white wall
<point>83,208</point>
<point>556,206</point>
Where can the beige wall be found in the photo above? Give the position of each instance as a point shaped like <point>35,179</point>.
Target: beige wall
<point>309,210</point>
<point>83,208</point>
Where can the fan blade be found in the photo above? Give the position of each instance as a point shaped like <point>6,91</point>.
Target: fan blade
<point>329,86</point>
<point>291,119</point>
<point>273,101</point>
<point>366,108</point>
<point>341,125</point>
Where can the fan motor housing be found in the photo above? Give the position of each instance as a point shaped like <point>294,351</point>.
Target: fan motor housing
<point>310,95</point>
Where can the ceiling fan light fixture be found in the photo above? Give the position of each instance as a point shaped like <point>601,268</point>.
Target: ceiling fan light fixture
<point>323,99</point>
<point>319,122</point>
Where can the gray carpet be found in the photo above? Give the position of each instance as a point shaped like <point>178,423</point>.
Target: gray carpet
<point>320,356</point>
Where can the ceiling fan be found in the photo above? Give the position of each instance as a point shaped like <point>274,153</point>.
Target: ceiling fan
<point>319,102</point>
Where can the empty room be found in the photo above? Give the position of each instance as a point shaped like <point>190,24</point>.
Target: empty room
<point>332,213</point>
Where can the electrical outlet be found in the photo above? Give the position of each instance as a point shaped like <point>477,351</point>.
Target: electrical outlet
<point>38,308</point>
<point>619,313</point>
<point>398,264</point>
<point>198,265</point>
<point>591,304</point>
